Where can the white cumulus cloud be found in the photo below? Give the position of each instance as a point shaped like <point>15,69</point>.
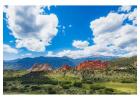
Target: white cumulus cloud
<point>112,37</point>
<point>27,55</point>
<point>80,44</point>
<point>107,23</point>
<point>9,49</point>
<point>125,8</point>
<point>32,29</point>
<point>133,16</point>
<point>116,37</point>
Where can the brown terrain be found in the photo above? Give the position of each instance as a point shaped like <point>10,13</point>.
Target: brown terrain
<point>65,68</point>
<point>40,67</point>
<point>84,65</point>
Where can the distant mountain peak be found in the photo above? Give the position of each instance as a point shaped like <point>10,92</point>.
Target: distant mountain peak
<point>55,62</point>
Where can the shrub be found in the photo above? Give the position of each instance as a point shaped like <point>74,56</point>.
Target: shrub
<point>65,82</point>
<point>96,87</point>
<point>66,86</point>
<point>4,83</point>
<point>50,90</point>
<point>87,74</point>
<point>22,90</point>
<point>53,82</point>
<point>105,91</point>
<point>5,89</point>
<point>101,90</point>
<point>100,79</point>
<point>27,86</point>
<point>77,84</point>
<point>9,84</point>
<point>88,81</point>
<point>72,91</point>
<point>128,81</point>
<point>109,90</point>
<point>14,89</point>
<point>34,88</point>
<point>58,89</point>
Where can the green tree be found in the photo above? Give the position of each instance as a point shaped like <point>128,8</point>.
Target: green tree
<point>87,74</point>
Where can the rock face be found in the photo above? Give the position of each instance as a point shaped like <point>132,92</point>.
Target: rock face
<point>40,67</point>
<point>92,65</point>
<point>65,68</point>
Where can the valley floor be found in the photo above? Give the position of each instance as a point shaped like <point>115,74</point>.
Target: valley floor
<point>23,82</point>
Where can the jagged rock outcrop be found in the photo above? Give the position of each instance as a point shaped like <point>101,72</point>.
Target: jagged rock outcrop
<point>92,65</point>
<point>40,67</point>
<point>65,67</point>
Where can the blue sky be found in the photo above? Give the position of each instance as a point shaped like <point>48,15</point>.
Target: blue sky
<point>74,24</point>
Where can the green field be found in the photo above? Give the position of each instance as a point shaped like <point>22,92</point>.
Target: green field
<point>24,82</point>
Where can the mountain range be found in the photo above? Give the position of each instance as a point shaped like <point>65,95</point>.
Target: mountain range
<point>55,62</point>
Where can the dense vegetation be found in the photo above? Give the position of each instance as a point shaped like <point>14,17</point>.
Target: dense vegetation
<point>118,78</point>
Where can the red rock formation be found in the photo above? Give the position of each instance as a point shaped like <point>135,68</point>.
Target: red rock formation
<point>65,67</point>
<point>40,67</point>
<point>92,65</point>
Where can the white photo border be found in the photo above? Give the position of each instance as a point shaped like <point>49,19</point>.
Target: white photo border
<point>69,2</point>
